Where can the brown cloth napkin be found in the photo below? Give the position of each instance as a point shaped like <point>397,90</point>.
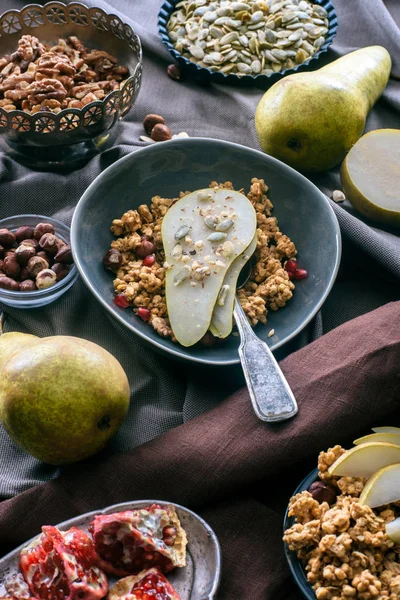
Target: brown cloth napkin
<point>234,470</point>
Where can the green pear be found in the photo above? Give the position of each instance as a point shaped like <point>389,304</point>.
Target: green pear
<point>10,343</point>
<point>63,398</point>
<point>311,120</point>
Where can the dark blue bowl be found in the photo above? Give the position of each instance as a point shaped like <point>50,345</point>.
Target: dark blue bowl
<point>204,75</point>
<point>295,566</point>
<point>166,168</point>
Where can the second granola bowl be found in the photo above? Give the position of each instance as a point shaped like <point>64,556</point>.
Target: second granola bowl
<point>165,169</point>
<point>61,135</point>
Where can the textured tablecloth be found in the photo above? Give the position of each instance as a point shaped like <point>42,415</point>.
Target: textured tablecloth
<point>163,394</point>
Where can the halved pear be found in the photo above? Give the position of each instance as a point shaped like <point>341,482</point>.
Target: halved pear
<point>221,322</point>
<point>392,438</point>
<point>203,233</point>
<point>383,487</point>
<point>393,530</point>
<point>387,430</point>
<point>365,460</point>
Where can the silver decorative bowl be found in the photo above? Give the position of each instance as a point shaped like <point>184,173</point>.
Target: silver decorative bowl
<point>47,139</point>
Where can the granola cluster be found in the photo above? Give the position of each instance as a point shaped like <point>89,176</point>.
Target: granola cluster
<point>269,286</point>
<point>40,77</point>
<point>344,546</point>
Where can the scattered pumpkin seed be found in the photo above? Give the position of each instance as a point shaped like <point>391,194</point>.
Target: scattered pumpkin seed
<point>182,232</point>
<point>224,225</point>
<point>182,274</point>
<point>217,236</point>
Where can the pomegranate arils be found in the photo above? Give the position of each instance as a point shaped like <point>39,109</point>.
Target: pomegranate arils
<point>149,260</point>
<point>291,265</point>
<point>300,274</point>
<point>121,301</point>
<point>144,313</point>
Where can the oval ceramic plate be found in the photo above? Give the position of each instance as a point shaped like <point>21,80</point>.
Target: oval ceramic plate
<point>197,581</point>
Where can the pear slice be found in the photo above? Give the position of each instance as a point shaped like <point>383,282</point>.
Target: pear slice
<point>395,430</point>
<point>203,233</point>
<point>221,322</point>
<point>393,530</point>
<point>392,438</point>
<point>364,460</point>
<point>383,487</point>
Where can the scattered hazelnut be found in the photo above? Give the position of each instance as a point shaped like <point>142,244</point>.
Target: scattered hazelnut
<point>338,196</point>
<point>24,233</point>
<point>45,279</point>
<point>112,260</point>
<point>27,286</point>
<point>322,492</point>
<point>37,264</point>
<point>145,248</point>
<point>11,267</point>
<point>48,242</point>
<point>23,253</point>
<point>151,120</point>
<point>64,255</point>
<point>7,238</point>
<point>60,270</point>
<point>7,283</point>
<point>175,72</point>
<point>161,133</point>
<point>41,229</point>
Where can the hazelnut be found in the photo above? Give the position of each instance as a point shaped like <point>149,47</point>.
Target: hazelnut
<point>37,264</point>
<point>11,267</point>
<point>23,253</point>
<point>64,255</point>
<point>44,255</point>
<point>112,260</point>
<point>151,120</point>
<point>60,270</point>
<point>24,274</point>
<point>145,248</point>
<point>1,265</point>
<point>7,238</point>
<point>7,283</point>
<point>45,279</point>
<point>10,252</point>
<point>1,251</point>
<point>27,286</point>
<point>48,242</point>
<point>175,72</point>
<point>24,233</point>
<point>41,229</point>
<point>31,242</point>
<point>322,492</point>
<point>161,133</point>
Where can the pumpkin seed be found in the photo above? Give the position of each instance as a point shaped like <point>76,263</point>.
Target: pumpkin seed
<point>224,225</point>
<point>176,251</point>
<point>223,294</point>
<point>182,274</point>
<point>182,232</point>
<point>217,236</point>
<point>210,221</point>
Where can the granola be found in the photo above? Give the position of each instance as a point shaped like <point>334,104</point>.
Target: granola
<point>141,282</point>
<point>344,546</point>
<point>43,77</point>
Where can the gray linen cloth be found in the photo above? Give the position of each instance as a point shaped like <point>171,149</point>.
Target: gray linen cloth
<point>163,394</point>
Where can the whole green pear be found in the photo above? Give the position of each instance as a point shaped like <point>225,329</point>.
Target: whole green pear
<point>10,343</point>
<point>62,398</point>
<point>311,120</point>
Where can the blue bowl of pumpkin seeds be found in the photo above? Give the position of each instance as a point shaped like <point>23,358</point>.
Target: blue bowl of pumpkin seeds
<point>249,41</point>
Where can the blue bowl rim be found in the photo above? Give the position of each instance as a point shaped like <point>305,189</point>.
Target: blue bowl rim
<point>294,563</point>
<point>163,18</point>
<point>76,219</point>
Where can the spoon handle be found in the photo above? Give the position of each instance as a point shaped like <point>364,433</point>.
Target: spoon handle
<point>270,394</point>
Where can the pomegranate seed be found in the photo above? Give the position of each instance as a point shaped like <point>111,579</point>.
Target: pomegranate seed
<point>143,313</point>
<point>300,274</point>
<point>291,265</point>
<point>121,301</point>
<point>149,260</point>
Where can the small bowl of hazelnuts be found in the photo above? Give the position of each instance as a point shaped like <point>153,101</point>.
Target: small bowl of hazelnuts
<point>36,264</point>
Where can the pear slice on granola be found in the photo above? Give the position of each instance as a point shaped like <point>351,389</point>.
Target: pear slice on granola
<point>222,319</point>
<point>203,233</point>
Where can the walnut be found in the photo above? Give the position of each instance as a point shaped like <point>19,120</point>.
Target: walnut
<point>20,92</point>
<point>79,91</point>
<point>52,64</point>
<point>77,44</point>
<point>29,48</point>
<point>100,60</point>
<point>45,90</point>
<point>11,82</point>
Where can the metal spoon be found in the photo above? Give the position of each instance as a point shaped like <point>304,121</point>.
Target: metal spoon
<point>270,394</point>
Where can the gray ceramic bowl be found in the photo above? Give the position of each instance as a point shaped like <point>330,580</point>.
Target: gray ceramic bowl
<point>166,168</point>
